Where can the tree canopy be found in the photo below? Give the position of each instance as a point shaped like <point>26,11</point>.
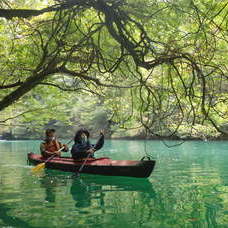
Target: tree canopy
<point>152,64</point>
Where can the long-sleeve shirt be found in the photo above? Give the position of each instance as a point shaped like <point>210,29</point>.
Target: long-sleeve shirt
<point>79,149</point>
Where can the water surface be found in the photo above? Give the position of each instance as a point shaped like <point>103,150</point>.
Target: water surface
<point>188,188</point>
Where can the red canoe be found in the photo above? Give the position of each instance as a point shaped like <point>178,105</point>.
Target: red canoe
<point>100,166</point>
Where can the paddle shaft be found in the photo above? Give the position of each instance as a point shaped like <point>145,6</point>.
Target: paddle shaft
<point>58,151</point>
<point>95,148</point>
<point>83,164</point>
<point>42,165</point>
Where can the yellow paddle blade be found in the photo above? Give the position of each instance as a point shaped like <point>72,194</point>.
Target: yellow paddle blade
<point>38,167</point>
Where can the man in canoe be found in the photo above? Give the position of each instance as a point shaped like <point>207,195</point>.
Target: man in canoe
<point>51,145</point>
<point>82,148</point>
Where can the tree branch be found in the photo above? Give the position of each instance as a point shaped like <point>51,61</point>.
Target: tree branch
<point>11,85</point>
<point>88,78</point>
<point>22,113</point>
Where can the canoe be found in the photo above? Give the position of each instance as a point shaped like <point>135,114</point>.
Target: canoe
<point>100,166</point>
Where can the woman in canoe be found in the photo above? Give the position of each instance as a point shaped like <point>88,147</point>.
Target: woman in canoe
<point>51,145</point>
<point>82,148</point>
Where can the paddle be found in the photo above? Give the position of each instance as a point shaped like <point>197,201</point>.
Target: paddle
<point>83,164</point>
<point>97,147</point>
<point>42,165</point>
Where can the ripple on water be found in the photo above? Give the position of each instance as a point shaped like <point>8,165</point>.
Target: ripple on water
<point>186,189</point>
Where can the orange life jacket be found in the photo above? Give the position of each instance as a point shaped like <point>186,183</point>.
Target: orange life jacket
<point>52,146</point>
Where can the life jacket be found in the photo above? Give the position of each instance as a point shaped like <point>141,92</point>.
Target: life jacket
<point>52,147</point>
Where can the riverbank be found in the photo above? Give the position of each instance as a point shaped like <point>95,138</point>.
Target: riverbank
<point>209,138</point>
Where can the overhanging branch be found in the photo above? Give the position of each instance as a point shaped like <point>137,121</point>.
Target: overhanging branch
<point>11,85</point>
<point>88,78</point>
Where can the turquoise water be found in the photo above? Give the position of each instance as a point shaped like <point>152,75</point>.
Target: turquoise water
<point>188,188</point>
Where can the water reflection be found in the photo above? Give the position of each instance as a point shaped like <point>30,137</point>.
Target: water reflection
<point>89,187</point>
<point>189,190</point>
<point>49,184</point>
<point>49,181</point>
<point>81,193</point>
<point>86,188</point>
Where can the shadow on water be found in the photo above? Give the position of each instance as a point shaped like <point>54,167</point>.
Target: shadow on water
<point>103,198</point>
<point>89,187</point>
<point>11,221</point>
<point>84,188</point>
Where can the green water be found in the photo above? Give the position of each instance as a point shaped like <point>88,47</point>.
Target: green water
<point>188,188</point>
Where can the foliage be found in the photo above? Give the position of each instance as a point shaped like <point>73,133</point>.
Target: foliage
<point>157,69</point>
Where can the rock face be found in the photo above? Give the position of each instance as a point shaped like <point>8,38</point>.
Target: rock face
<point>7,136</point>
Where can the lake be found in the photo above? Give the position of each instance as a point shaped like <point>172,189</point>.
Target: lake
<point>188,188</point>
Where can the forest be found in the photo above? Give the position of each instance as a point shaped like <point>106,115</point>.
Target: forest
<point>157,72</point>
